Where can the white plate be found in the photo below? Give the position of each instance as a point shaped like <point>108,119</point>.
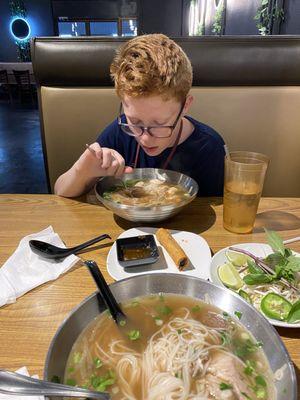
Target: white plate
<point>195,247</point>
<point>258,249</point>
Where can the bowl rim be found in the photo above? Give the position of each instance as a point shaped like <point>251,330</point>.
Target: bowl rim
<point>144,208</point>
<point>273,331</point>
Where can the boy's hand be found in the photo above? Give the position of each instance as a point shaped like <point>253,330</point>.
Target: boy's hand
<point>102,161</point>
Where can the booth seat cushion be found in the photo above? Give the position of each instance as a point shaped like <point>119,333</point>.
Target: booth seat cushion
<point>261,119</point>
<point>73,117</point>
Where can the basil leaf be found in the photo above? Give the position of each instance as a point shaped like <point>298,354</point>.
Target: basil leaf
<point>253,268</point>
<point>293,263</point>
<point>275,241</point>
<point>275,259</point>
<point>294,314</point>
<point>288,252</point>
<point>253,279</point>
<point>278,270</point>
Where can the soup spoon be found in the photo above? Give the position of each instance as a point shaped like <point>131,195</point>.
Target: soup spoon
<point>52,252</point>
<point>12,383</point>
<point>109,299</point>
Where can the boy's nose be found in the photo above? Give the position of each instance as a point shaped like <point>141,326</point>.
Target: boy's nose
<point>146,139</point>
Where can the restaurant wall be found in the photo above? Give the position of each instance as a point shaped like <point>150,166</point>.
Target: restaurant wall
<point>105,9</point>
<point>292,15</point>
<point>39,16</point>
<point>161,16</point>
<point>239,17</point>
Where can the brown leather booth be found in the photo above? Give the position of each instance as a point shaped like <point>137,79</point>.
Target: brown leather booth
<point>246,87</point>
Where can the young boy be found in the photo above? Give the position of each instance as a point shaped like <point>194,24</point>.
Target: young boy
<point>152,77</point>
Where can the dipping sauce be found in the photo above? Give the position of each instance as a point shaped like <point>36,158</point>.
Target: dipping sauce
<point>137,250</point>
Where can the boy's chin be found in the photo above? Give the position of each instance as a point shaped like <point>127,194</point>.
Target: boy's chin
<point>152,151</point>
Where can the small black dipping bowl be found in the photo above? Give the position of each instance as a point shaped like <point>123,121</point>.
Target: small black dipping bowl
<point>137,250</point>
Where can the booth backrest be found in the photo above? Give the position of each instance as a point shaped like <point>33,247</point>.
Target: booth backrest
<point>247,88</point>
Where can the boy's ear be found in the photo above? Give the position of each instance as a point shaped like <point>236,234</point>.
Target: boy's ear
<point>188,102</point>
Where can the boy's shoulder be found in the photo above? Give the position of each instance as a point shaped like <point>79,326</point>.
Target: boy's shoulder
<point>205,132</point>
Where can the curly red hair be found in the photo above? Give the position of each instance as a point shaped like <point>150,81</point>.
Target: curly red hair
<point>152,65</point>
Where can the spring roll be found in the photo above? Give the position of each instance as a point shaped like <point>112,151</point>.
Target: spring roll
<point>175,251</point>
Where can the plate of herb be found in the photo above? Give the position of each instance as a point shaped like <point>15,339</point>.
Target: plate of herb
<point>265,275</point>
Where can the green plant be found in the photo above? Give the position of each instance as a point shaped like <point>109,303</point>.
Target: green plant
<point>267,13</point>
<point>17,8</point>
<point>218,25</point>
<point>200,29</point>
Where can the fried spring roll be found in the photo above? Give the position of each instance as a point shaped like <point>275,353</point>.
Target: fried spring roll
<point>175,251</point>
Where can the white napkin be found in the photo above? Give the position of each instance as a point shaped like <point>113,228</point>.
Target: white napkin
<point>22,371</point>
<point>24,270</point>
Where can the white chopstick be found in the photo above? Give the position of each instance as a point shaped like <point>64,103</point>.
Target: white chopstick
<point>295,239</point>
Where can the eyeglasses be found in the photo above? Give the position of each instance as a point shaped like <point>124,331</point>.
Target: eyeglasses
<point>162,131</point>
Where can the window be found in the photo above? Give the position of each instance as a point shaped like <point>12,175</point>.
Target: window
<point>88,27</point>
<point>104,28</point>
<point>71,28</point>
<point>129,27</point>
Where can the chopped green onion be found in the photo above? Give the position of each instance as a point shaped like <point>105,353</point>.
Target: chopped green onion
<point>122,322</point>
<point>71,382</point>
<point>245,395</point>
<point>260,380</point>
<point>249,369</point>
<point>196,308</point>
<point>260,392</point>
<point>77,358</point>
<point>85,386</point>
<point>98,363</point>
<point>165,310</point>
<point>238,314</point>
<point>225,386</point>
<point>101,382</point>
<point>225,338</point>
<point>134,334</point>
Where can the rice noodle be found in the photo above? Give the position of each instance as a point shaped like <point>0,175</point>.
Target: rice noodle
<point>175,355</point>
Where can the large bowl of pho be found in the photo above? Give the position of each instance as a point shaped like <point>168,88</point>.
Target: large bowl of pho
<point>191,340</point>
<point>147,194</point>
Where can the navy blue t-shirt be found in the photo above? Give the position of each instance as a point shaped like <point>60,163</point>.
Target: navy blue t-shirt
<point>200,156</point>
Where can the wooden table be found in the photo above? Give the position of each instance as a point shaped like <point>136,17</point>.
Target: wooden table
<point>27,326</point>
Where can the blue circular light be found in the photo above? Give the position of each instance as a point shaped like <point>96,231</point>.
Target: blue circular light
<point>20,29</point>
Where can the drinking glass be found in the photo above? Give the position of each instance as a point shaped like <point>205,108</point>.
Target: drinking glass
<point>243,183</point>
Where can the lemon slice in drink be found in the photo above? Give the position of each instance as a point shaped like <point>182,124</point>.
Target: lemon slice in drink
<point>236,258</point>
<point>229,276</point>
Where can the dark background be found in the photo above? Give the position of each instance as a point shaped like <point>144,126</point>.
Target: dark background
<point>165,16</point>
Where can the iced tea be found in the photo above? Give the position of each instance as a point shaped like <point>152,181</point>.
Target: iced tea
<point>240,206</point>
<point>244,177</point>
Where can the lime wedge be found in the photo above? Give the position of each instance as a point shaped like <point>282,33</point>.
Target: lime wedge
<point>237,259</point>
<point>229,276</point>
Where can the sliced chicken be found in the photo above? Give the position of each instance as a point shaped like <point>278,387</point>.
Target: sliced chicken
<point>224,368</point>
